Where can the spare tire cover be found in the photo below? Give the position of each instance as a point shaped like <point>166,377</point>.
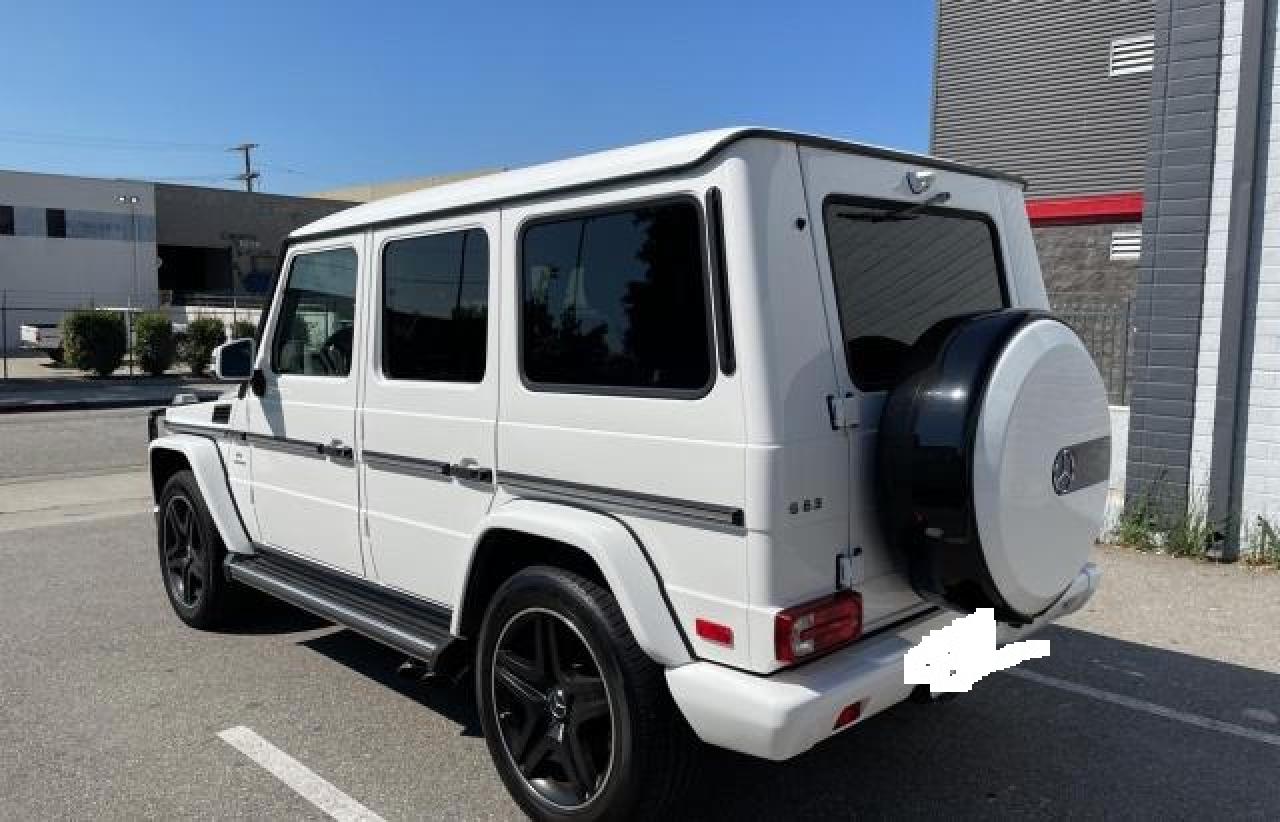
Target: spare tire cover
<point>994,455</point>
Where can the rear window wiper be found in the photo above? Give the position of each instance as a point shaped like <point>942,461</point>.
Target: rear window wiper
<point>907,211</point>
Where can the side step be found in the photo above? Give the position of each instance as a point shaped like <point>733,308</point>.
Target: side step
<point>407,624</point>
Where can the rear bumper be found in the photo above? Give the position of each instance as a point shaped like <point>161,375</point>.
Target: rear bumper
<point>783,715</point>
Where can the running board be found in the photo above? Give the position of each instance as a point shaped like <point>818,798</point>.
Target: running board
<point>407,624</point>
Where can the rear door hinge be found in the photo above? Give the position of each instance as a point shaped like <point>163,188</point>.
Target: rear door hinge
<point>849,568</point>
<point>844,411</point>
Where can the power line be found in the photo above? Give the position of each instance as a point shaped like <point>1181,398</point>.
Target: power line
<point>83,141</point>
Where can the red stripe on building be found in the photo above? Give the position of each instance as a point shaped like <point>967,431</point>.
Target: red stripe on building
<point>1093,208</point>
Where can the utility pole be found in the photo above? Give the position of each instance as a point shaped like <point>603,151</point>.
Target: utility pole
<point>249,174</point>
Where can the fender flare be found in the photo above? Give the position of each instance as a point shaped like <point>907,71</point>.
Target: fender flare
<point>618,554</point>
<point>206,463</point>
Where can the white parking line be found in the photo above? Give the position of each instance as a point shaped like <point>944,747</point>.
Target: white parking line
<point>305,782</point>
<point>1148,707</point>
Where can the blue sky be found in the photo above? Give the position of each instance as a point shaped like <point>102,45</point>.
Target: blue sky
<point>339,92</point>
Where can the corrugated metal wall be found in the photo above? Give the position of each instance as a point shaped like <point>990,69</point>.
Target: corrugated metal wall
<point>1023,86</point>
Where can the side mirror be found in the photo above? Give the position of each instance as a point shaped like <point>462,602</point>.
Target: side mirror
<point>233,361</point>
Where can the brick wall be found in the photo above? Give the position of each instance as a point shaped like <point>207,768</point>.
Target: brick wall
<point>1175,228</point>
<point>1077,259</point>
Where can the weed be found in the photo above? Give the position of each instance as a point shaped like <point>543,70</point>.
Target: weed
<point>1262,544</point>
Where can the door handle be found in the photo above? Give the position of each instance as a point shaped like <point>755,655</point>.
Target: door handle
<point>470,470</point>
<point>337,449</point>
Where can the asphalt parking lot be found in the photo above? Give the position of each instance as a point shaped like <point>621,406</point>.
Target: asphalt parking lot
<point>1161,700</point>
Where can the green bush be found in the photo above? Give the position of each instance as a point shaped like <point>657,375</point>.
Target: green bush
<point>94,341</point>
<point>242,328</point>
<point>203,335</point>
<point>154,345</point>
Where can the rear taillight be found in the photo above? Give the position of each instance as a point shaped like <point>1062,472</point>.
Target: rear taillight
<point>815,627</point>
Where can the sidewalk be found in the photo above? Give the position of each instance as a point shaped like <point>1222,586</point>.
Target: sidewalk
<point>53,394</point>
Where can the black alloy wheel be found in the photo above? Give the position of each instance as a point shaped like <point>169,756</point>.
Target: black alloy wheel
<point>184,551</point>
<point>553,707</point>
<point>191,557</point>
<point>578,719</point>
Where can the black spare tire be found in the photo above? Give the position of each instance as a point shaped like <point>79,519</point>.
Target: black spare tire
<point>994,453</point>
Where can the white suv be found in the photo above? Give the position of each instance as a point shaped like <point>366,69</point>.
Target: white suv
<point>696,437</point>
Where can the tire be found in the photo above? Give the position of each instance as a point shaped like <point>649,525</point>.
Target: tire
<point>550,713</point>
<point>191,557</point>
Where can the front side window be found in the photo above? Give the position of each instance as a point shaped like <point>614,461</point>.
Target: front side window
<point>900,269</point>
<point>617,301</point>
<point>435,303</point>
<point>316,325</point>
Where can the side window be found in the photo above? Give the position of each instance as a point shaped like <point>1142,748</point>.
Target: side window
<point>315,329</point>
<point>435,304</point>
<point>616,300</point>
<point>55,222</point>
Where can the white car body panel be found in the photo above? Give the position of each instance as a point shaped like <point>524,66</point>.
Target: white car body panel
<point>615,551</point>
<point>201,453</point>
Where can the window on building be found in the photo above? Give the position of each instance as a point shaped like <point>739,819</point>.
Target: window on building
<point>315,328</point>
<point>55,222</point>
<point>1126,244</point>
<point>1132,55</point>
<point>897,275</point>
<point>435,303</point>
<point>6,220</point>
<point>617,301</point>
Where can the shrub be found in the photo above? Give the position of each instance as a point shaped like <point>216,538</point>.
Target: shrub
<point>242,328</point>
<point>94,341</point>
<point>203,335</point>
<point>154,345</point>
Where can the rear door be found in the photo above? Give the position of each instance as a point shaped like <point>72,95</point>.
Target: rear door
<point>302,429</point>
<point>431,401</point>
<point>894,262</point>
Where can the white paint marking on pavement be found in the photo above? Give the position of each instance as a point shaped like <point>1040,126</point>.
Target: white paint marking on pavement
<point>1148,707</point>
<point>305,782</point>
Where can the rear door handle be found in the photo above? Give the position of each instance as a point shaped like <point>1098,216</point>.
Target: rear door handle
<point>470,470</point>
<point>336,449</point>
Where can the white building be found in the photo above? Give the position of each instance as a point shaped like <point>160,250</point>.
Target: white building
<point>66,241</point>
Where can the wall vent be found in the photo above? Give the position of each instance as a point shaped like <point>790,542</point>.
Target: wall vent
<point>1132,55</point>
<point>1126,244</point>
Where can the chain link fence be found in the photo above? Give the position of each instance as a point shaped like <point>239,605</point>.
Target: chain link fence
<point>30,322</point>
<point>1106,325</point>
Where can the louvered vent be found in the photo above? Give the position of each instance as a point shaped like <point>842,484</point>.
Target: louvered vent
<point>1132,55</point>
<point>222,413</point>
<point>1126,245</point>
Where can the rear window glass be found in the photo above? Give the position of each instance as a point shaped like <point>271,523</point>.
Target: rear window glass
<point>616,302</point>
<point>899,271</point>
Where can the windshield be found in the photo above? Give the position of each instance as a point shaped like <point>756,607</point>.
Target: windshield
<point>898,270</point>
